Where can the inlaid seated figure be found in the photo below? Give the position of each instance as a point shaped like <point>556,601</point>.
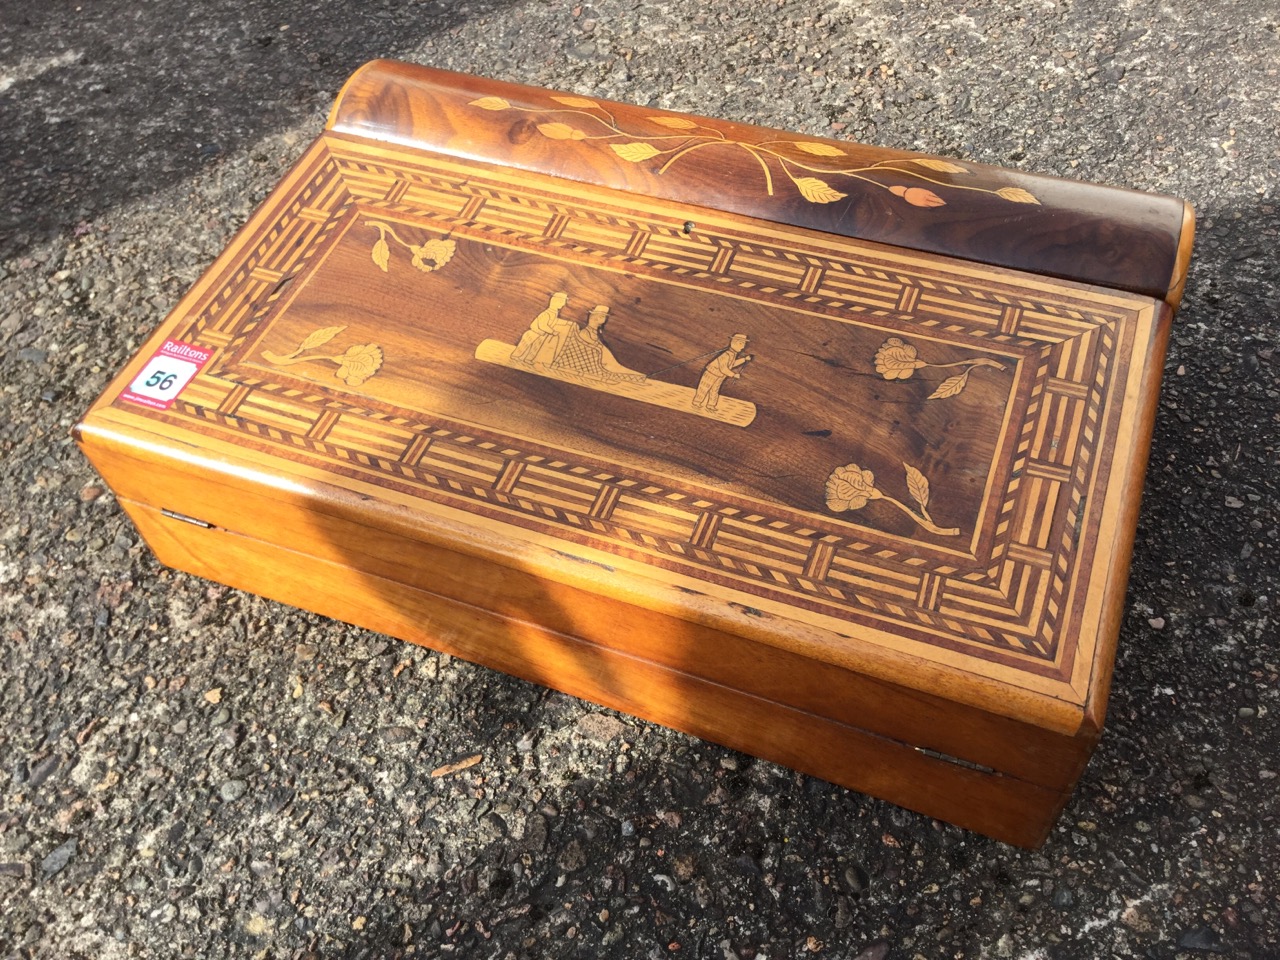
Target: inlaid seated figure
<point>544,339</point>
<point>584,356</point>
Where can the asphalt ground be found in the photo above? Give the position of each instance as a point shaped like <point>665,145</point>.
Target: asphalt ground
<point>187,771</point>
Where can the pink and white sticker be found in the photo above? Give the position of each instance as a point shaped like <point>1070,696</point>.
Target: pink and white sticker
<point>165,375</point>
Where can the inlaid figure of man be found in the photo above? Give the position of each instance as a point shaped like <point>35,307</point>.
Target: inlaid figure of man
<point>541,343</point>
<point>723,366</point>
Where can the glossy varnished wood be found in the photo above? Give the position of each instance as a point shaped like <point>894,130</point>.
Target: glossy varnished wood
<point>361,298</point>
<point>1010,809</point>
<point>1101,235</point>
<point>705,455</point>
<point>321,524</point>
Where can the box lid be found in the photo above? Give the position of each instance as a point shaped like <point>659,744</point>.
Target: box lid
<point>1122,239</point>
<point>916,466</point>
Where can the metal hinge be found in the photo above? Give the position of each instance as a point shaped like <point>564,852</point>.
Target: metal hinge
<point>175,515</point>
<point>956,760</point>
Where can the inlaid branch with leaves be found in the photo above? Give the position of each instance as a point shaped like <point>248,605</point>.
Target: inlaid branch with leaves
<point>898,360</point>
<point>426,256</point>
<point>355,365</point>
<point>795,158</point>
<point>852,488</point>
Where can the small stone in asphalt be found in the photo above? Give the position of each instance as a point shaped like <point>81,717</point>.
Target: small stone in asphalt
<point>43,770</point>
<point>397,734</point>
<point>232,790</point>
<point>1063,898</point>
<point>572,856</point>
<point>856,878</point>
<point>600,727</point>
<point>1204,939</point>
<point>535,832</point>
<point>59,857</point>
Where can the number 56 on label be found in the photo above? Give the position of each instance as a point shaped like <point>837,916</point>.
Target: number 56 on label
<point>165,375</point>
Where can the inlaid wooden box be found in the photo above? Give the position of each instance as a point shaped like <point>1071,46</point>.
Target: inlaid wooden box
<point>827,453</point>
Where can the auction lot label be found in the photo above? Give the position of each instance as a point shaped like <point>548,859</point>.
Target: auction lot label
<point>165,375</point>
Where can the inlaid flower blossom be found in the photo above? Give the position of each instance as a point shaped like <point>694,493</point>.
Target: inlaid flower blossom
<point>898,360</point>
<point>432,255</point>
<point>851,488</point>
<point>359,363</point>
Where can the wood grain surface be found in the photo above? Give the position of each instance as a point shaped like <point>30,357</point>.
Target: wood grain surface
<point>866,497</point>
<point>1007,808</point>
<point>1110,237</point>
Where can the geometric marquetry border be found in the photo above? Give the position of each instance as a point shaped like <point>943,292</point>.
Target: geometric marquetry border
<point>1014,607</point>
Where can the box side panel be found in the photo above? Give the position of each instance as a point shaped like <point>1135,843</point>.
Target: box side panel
<point>1006,808</point>
<point>1120,545</point>
<point>374,556</point>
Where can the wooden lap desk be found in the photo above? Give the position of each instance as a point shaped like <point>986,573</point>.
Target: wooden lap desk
<point>827,453</point>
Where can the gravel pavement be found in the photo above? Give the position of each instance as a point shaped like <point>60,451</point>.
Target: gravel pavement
<point>187,771</point>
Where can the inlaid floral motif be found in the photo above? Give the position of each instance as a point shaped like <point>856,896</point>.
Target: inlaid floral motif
<point>796,159</point>
<point>355,365</point>
<point>851,488</point>
<point>427,256</point>
<point>898,360</point>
